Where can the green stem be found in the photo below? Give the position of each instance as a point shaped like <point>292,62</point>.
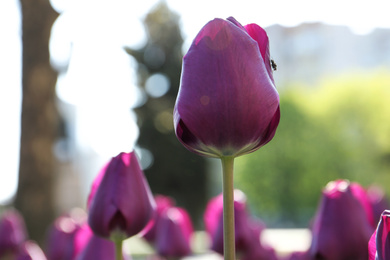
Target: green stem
<point>228,208</point>
<point>118,249</point>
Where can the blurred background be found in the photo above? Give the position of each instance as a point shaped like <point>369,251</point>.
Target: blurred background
<point>96,78</point>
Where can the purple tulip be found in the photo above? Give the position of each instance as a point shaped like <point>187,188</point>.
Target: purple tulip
<point>341,229</point>
<point>12,231</point>
<point>123,202</point>
<point>227,103</point>
<point>98,248</point>
<point>379,245</point>
<point>81,238</point>
<point>61,237</point>
<point>162,203</point>
<point>247,229</point>
<point>255,249</point>
<point>29,250</point>
<point>173,233</point>
<point>361,195</point>
<point>95,184</point>
<point>62,243</point>
<point>298,255</point>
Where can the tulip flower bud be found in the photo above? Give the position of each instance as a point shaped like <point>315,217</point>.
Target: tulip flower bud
<point>98,248</point>
<point>175,224</point>
<point>61,244</point>
<point>123,203</point>
<point>162,204</point>
<point>341,229</point>
<point>247,229</point>
<point>379,245</point>
<point>227,103</point>
<point>12,231</point>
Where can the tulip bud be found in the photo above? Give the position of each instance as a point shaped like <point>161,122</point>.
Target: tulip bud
<point>98,248</point>
<point>299,255</point>
<point>162,204</point>
<point>227,103</point>
<point>175,224</point>
<point>246,229</point>
<point>254,248</point>
<point>341,229</point>
<point>123,203</point>
<point>61,244</point>
<point>379,245</point>
<point>12,231</point>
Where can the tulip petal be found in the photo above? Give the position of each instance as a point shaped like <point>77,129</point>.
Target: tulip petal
<point>227,98</point>
<point>341,229</point>
<point>123,200</point>
<point>382,239</point>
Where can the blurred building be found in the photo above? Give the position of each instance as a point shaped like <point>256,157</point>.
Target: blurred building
<point>311,51</point>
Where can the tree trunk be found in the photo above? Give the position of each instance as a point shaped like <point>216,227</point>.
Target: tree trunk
<point>34,198</point>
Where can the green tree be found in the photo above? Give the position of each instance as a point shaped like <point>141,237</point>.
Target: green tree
<point>337,130</point>
<point>175,171</point>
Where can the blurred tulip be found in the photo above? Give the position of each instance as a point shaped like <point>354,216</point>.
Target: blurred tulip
<point>173,233</point>
<point>304,255</point>
<point>361,195</point>
<point>29,250</point>
<point>12,231</point>
<point>61,243</point>
<point>122,204</point>
<point>95,184</point>
<point>227,103</point>
<point>379,245</point>
<point>247,229</point>
<point>255,249</point>
<point>98,248</point>
<point>341,230</point>
<point>81,238</point>
<point>162,204</point>
<point>213,219</point>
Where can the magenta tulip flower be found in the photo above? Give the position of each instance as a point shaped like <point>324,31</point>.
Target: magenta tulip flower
<point>227,103</point>
<point>12,231</point>
<point>162,204</point>
<point>61,243</point>
<point>123,203</point>
<point>341,229</point>
<point>29,250</point>
<point>246,229</point>
<point>95,184</point>
<point>81,238</point>
<point>254,248</point>
<point>98,248</point>
<point>298,255</point>
<point>361,195</point>
<point>379,245</point>
<point>176,225</point>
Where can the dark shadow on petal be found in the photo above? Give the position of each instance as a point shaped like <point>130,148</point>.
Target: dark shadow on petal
<point>271,129</point>
<point>118,222</point>
<point>185,134</point>
<point>319,256</point>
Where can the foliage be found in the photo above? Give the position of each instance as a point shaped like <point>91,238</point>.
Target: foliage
<point>339,129</point>
<point>174,171</point>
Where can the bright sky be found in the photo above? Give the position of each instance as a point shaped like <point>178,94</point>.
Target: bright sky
<point>95,31</point>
